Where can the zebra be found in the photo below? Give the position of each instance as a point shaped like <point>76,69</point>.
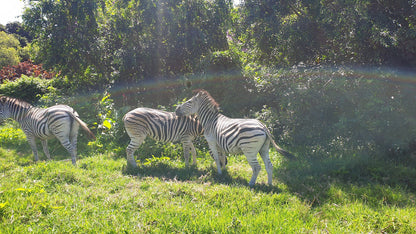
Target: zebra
<point>227,135</point>
<point>161,126</point>
<point>60,121</point>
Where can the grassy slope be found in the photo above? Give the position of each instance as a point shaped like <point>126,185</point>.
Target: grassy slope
<point>101,195</point>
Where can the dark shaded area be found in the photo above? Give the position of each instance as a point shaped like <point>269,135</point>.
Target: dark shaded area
<point>361,178</point>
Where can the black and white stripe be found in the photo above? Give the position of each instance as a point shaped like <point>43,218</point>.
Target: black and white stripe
<point>226,135</point>
<point>161,126</point>
<point>60,121</point>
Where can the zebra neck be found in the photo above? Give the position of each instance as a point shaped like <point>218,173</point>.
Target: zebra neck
<point>207,116</point>
<point>20,112</point>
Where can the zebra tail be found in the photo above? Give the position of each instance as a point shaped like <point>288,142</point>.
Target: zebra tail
<point>280,150</point>
<point>83,125</point>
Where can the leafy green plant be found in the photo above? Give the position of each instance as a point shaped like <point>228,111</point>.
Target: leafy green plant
<point>27,88</point>
<point>12,135</point>
<point>9,50</point>
<point>155,161</point>
<point>110,128</point>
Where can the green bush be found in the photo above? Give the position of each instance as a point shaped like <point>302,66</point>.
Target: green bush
<point>8,56</point>
<point>109,125</point>
<point>338,112</point>
<point>9,50</point>
<point>26,88</point>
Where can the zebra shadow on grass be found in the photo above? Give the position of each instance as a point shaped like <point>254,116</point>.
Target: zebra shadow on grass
<point>166,171</point>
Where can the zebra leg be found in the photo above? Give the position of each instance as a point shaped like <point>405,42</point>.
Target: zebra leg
<point>74,144</point>
<point>193,151</point>
<point>45,149</point>
<point>134,144</point>
<point>32,143</point>
<point>186,149</point>
<point>66,143</point>
<point>213,147</point>
<point>255,166</point>
<point>73,137</point>
<point>223,158</point>
<point>264,153</point>
<point>68,146</point>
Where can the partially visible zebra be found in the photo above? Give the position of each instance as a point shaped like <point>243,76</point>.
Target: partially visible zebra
<point>60,121</point>
<point>226,135</point>
<point>161,126</point>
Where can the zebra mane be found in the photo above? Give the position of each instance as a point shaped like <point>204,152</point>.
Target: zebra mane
<point>205,93</point>
<point>16,101</point>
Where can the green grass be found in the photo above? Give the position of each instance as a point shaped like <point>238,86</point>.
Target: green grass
<point>101,194</point>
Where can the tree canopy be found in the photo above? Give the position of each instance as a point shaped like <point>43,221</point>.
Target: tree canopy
<point>150,39</point>
<point>9,50</point>
<point>330,32</point>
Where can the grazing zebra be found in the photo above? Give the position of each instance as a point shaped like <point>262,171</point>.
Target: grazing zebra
<point>226,135</point>
<point>161,126</point>
<point>60,121</point>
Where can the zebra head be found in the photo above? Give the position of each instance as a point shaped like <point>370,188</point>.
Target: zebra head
<point>4,111</point>
<point>189,107</point>
<point>202,99</point>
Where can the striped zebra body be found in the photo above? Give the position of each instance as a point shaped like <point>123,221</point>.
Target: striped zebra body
<point>58,121</point>
<point>161,126</point>
<point>227,135</point>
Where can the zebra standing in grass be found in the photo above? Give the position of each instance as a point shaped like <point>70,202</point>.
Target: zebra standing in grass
<point>60,121</point>
<point>226,135</point>
<point>161,126</point>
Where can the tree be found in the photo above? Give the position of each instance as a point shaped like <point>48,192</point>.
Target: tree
<point>126,41</point>
<point>9,50</point>
<point>286,33</point>
<point>66,34</point>
<point>20,33</point>
<point>164,38</point>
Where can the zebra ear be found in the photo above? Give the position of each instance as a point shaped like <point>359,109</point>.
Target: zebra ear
<point>3,99</point>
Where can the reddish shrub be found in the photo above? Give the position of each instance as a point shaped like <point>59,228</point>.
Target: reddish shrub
<point>27,68</point>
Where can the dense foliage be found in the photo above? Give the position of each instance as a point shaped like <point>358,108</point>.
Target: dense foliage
<point>329,32</point>
<point>14,44</point>
<point>17,30</point>
<point>27,68</point>
<point>341,112</point>
<point>9,46</point>
<point>330,78</point>
<point>127,40</point>
<point>29,89</point>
